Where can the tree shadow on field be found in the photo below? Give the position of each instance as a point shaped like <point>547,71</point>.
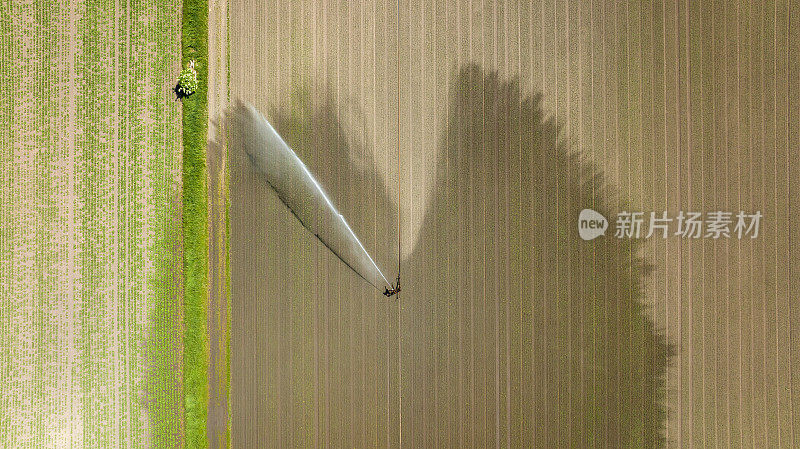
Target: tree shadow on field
<point>591,364</point>
<point>513,328</point>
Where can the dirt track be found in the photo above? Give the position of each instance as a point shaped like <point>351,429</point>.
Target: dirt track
<point>218,306</point>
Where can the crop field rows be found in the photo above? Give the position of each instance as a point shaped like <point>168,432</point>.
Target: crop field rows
<point>508,118</point>
<point>90,245</point>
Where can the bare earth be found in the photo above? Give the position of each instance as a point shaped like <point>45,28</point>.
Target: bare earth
<point>511,331</point>
<point>218,316</point>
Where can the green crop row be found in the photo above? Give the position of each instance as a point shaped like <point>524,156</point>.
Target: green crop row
<point>194,46</point>
<point>90,272</point>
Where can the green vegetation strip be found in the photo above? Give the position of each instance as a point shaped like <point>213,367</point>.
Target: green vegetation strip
<point>195,230</point>
<point>89,183</point>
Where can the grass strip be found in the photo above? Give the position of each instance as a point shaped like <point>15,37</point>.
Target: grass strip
<point>194,45</point>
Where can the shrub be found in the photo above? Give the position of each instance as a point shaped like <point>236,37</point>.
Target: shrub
<point>187,82</point>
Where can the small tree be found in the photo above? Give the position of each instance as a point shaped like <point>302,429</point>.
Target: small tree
<point>187,81</point>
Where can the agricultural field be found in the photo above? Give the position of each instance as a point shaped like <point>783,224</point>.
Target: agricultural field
<point>156,291</point>
<point>506,119</point>
<point>91,264</point>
